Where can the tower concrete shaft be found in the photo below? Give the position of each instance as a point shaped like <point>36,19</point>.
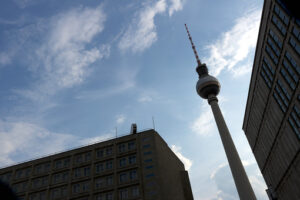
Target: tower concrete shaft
<point>241,180</point>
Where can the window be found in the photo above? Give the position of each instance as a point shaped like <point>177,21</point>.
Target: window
<point>149,175</point>
<point>273,46</point>
<point>87,171</point>
<point>135,192</point>
<point>76,188</point>
<point>272,56</point>
<point>123,177</point>
<point>109,165</point>
<point>100,182</point>
<point>148,153</point>
<point>294,44</point>
<point>85,186</point>
<point>87,156</point>
<point>149,167</point>
<point>109,180</point>
<point>109,151</point>
<point>281,15</point>
<point>148,160</point>
<point>145,139</point>
<point>99,167</point>
<point>99,153</point>
<point>66,162</point>
<point>5,177</point>
<point>109,196</point>
<point>294,120</point>
<point>131,145</point>
<point>133,175</point>
<point>275,38</point>
<point>279,25</point>
<point>58,164</point>
<point>132,159</point>
<point>296,33</point>
<point>122,162</point>
<point>122,148</point>
<point>77,173</point>
<point>123,194</point>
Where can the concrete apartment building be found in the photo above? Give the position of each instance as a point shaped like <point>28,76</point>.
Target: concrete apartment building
<point>138,166</point>
<point>272,116</point>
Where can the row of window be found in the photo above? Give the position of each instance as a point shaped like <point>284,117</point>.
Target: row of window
<point>293,62</point>
<point>58,193</point>
<point>272,56</point>
<point>294,120</point>
<point>287,78</point>
<point>128,160</point>
<point>128,176</point>
<point>281,15</point>
<point>266,79</point>
<point>129,193</point>
<point>127,146</point>
<point>279,25</point>
<point>275,38</point>
<point>81,187</point>
<point>103,182</point>
<point>281,96</point>
<point>294,44</point>
<point>274,47</point>
<point>292,74</point>
<point>296,33</point>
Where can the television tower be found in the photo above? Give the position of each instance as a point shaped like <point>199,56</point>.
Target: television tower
<point>208,87</point>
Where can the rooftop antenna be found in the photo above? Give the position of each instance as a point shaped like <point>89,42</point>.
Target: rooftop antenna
<point>153,123</point>
<point>116,132</point>
<point>193,46</point>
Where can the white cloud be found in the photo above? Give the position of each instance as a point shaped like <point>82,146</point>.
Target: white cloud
<point>19,140</point>
<point>176,5</point>
<point>65,56</point>
<point>204,125</point>
<point>60,50</point>
<point>101,138</point>
<point>141,34</point>
<point>231,51</point>
<point>187,162</point>
<point>120,119</point>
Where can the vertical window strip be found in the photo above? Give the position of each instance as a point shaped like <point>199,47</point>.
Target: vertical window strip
<point>284,90</point>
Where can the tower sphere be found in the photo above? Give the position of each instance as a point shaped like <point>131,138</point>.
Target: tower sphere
<point>208,85</point>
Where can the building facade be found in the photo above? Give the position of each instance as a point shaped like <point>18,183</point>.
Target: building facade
<point>138,166</point>
<point>272,116</point>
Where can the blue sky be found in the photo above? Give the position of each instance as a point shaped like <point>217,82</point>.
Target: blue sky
<point>71,71</point>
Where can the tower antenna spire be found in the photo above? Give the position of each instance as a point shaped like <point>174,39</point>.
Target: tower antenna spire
<point>193,46</point>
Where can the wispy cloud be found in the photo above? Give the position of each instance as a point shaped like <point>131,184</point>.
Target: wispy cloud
<point>96,139</point>
<point>232,49</point>
<point>19,140</point>
<point>176,5</point>
<point>141,33</point>
<point>64,54</point>
<point>204,125</point>
<point>187,162</point>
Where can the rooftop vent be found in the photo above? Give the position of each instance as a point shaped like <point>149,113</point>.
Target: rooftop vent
<point>133,129</point>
